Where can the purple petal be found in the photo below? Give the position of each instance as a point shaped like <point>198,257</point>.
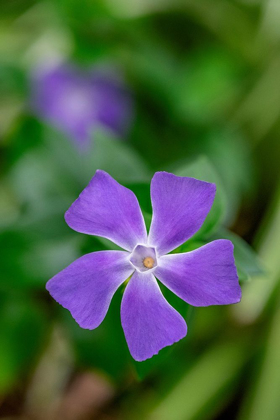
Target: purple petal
<point>87,286</point>
<point>62,97</point>
<point>180,206</point>
<point>203,277</point>
<point>106,208</point>
<point>115,108</point>
<point>149,322</point>
<point>77,101</point>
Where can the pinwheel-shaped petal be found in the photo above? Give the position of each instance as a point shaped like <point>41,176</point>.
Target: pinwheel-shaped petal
<point>206,276</point>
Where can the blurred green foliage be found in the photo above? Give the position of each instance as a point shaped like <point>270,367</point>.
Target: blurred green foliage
<point>205,78</point>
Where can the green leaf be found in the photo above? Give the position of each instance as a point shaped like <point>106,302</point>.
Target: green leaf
<point>106,152</point>
<point>117,157</point>
<point>229,152</point>
<point>46,258</point>
<point>203,170</point>
<point>241,274</point>
<point>37,183</point>
<point>188,246</point>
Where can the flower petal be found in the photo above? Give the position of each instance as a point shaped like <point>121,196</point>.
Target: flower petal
<point>114,102</point>
<point>180,206</point>
<point>106,208</point>
<point>63,96</point>
<point>203,277</point>
<point>148,321</point>
<point>78,101</point>
<point>87,286</point>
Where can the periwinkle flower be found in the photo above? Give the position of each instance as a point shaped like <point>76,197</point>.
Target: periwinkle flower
<point>77,101</point>
<point>203,277</point>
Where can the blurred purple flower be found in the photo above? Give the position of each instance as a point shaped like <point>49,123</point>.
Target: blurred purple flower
<point>203,277</point>
<point>78,101</point>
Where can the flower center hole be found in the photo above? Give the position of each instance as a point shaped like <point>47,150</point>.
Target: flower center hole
<point>143,258</point>
<point>148,262</point>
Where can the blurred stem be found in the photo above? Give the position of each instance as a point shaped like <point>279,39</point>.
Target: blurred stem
<point>50,378</point>
<point>257,293</point>
<point>265,402</point>
<point>229,22</point>
<point>269,26</point>
<point>263,96</point>
<point>207,379</point>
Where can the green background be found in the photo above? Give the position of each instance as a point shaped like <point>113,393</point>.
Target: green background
<point>205,76</point>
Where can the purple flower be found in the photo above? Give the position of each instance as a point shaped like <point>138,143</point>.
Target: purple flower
<point>77,101</point>
<point>206,276</point>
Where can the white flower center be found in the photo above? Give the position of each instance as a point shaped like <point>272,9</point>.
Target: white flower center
<point>77,102</point>
<point>143,258</point>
